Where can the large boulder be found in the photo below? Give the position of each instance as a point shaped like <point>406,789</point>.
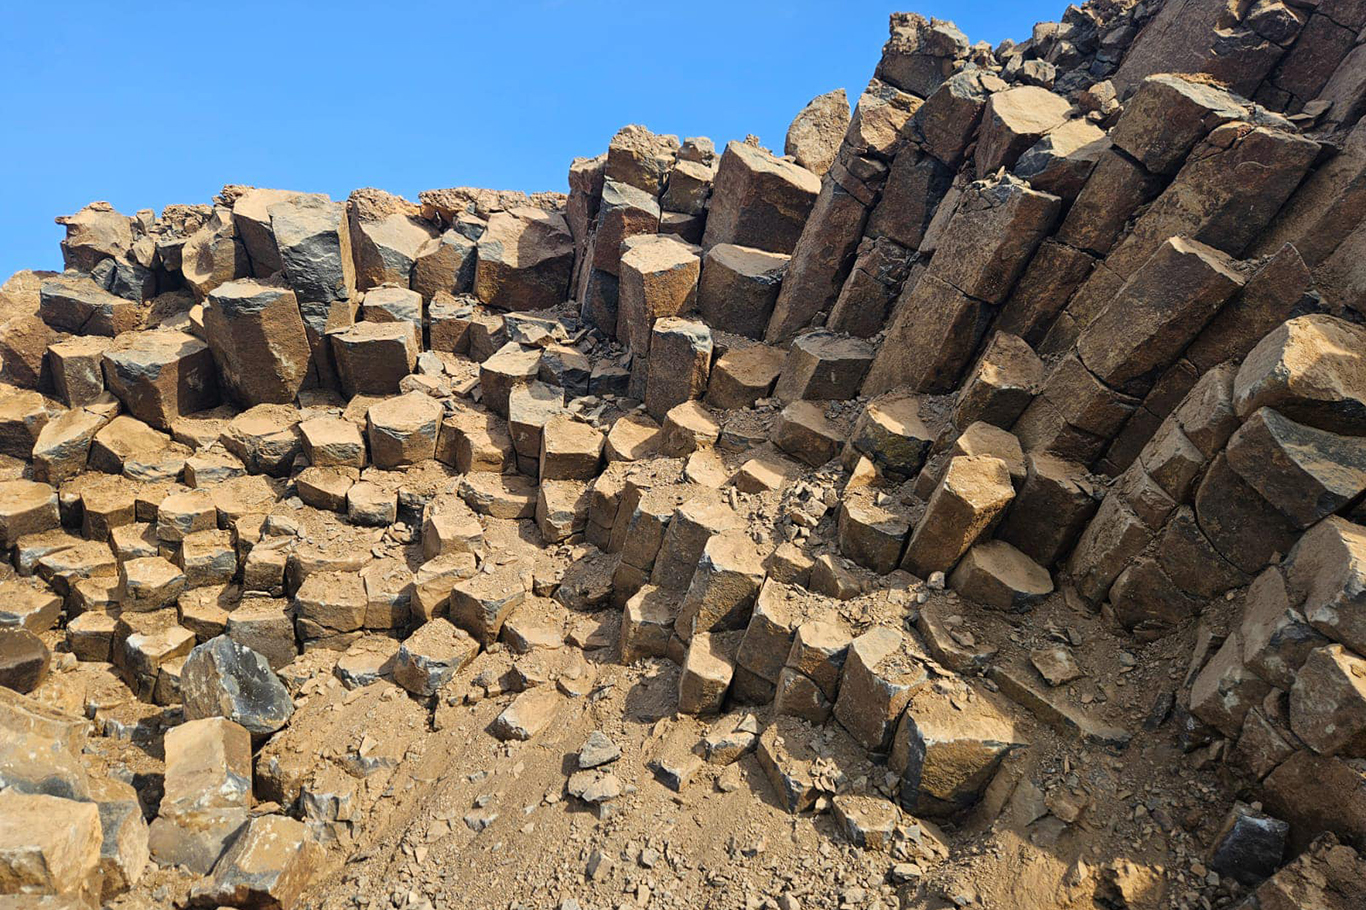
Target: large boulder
<point>815,134</point>
<point>222,678</point>
<point>257,337</point>
<point>526,257</point>
<point>758,200</point>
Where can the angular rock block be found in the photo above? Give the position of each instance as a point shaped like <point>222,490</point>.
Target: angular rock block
<point>49,846</point>
<point>525,259</point>
<point>161,376</point>
<point>269,865</point>
<point>758,200</point>
<point>973,493</point>
<point>207,794</point>
<point>432,655</point>
<point>739,287</point>
<point>821,365</point>
<point>1304,369</point>
<point>372,357</point>
<point>996,574</point>
<point>222,678</point>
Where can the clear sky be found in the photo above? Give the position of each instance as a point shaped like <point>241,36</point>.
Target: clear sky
<point>149,103</point>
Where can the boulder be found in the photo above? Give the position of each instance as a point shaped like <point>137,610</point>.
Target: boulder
<point>758,200</point>
<point>739,287</point>
<point>814,136</point>
<point>222,678</point>
<point>525,258</point>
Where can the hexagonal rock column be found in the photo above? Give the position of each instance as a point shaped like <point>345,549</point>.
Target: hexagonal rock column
<point>707,672</point>
<point>723,588</point>
<point>679,363</point>
<point>372,357</point>
<point>385,238</point>
<point>314,244</point>
<point>161,376</point>
<point>1014,120</point>
<point>1001,385</point>
<point>570,450</point>
<point>891,434</point>
<point>23,415</point>
<point>974,491</point>
<point>758,200</point>
<point>880,675</point>
<point>445,263</point>
<point>258,341</point>
<point>996,574</point>
<point>1157,313</point>
<point>658,278</point>
<point>1328,701</point>
<point>803,431</point>
<point>526,256</point>
<point>742,376</point>
<point>207,794</point>
<point>739,287</point>
<point>1051,509</point>
<point>945,755</point>
<point>403,430</point>
<point>26,507</point>
<point>511,365</point>
<point>822,365</point>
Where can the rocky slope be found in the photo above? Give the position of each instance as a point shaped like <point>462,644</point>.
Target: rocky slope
<point>961,509</point>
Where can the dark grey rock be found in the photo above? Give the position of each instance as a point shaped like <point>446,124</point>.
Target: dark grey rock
<point>222,678</point>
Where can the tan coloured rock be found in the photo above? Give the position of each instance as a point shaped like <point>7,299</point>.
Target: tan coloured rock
<point>815,134</point>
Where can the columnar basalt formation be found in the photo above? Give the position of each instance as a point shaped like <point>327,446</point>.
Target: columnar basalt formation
<point>988,468</point>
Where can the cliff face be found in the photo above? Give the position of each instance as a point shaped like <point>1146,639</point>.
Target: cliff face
<point>992,463</point>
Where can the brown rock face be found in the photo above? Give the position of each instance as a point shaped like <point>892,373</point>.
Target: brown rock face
<point>814,137</point>
<point>759,201</point>
<point>161,376</point>
<point>257,338</point>
<point>525,260</point>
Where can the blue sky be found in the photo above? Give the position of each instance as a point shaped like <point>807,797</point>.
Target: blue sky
<point>145,104</point>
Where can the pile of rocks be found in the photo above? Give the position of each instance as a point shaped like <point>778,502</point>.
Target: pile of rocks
<point>1072,318</point>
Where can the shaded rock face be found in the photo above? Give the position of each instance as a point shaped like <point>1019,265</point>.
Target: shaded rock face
<point>1000,434</point>
<point>222,678</point>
